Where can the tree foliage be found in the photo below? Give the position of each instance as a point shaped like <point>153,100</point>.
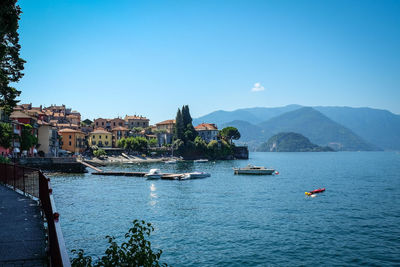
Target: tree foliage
<point>139,144</point>
<point>184,132</point>
<point>135,251</point>
<point>221,149</point>
<point>184,129</point>
<point>229,134</point>
<point>99,153</point>
<point>178,146</point>
<point>200,145</point>
<point>178,128</point>
<point>28,139</point>
<point>4,160</point>
<point>153,142</point>
<point>11,65</point>
<point>6,135</point>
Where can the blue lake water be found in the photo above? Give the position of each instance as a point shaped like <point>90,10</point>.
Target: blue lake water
<point>236,220</point>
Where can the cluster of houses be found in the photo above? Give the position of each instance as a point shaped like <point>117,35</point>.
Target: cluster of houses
<point>60,130</point>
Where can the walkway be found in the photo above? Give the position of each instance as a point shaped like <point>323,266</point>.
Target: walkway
<point>22,235</point>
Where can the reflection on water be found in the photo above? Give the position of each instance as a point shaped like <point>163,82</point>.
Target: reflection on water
<point>235,220</point>
<point>153,195</point>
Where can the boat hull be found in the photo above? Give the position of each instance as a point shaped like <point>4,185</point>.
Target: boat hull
<point>254,172</point>
<point>153,177</point>
<point>196,175</point>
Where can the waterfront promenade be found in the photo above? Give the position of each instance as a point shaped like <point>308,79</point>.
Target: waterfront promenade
<point>22,236</point>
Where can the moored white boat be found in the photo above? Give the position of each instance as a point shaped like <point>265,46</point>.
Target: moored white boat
<point>195,175</point>
<point>153,174</point>
<point>172,161</point>
<point>250,169</point>
<point>201,160</point>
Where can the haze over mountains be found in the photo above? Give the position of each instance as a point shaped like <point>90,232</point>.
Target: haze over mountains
<point>342,128</point>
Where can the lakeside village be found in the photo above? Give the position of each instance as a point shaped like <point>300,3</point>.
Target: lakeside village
<point>50,137</point>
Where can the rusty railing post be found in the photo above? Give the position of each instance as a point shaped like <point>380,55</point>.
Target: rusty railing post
<point>14,177</point>
<point>23,179</point>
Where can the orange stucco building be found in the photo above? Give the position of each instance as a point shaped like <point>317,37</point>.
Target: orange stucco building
<point>72,140</point>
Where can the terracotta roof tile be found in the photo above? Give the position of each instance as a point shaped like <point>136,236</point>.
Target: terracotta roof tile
<point>135,118</point>
<point>20,115</point>
<point>166,122</point>
<point>100,131</point>
<point>206,127</point>
<point>68,130</point>
<point>120,128</point>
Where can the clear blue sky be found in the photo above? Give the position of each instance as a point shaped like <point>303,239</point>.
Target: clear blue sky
<point>110,58</point>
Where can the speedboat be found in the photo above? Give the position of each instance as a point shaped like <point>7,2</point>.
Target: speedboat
<point>172,161</point>
<point>250,169</point>
<point>153,174</point>
<point>316,191</point>
<point>195,175</point>
<point>201,160</point>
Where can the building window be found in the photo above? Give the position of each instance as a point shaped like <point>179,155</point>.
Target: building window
<point>102,123</point>
<point>70,136</point>
<point>93,142</point>
<point>69,142</point>
<point>99,136</point>
<point>114,123</point>
<point>97,123</point>
<point>106,142</point>
<point>106,136</point>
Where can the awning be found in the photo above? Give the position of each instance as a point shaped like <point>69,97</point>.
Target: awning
<point>34,150</point>
<point>16,150</point>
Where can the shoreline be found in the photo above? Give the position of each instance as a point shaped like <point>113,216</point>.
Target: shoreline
<point>130,160</point>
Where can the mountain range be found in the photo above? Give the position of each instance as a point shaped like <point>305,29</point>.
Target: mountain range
<point>342,128</point>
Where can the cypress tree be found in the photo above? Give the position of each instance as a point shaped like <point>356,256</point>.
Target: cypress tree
<point>187,119</point>
<point>179,126</point>
<point>189,131</point>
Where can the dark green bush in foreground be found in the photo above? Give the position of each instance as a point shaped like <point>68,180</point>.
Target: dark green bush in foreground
<point>135,251</point>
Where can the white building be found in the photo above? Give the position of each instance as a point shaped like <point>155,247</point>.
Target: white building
<point>207,131</point>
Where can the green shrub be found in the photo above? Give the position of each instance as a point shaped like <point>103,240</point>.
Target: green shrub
<point>99,152</point>
<point>4,160</point>
<point>135,251</point>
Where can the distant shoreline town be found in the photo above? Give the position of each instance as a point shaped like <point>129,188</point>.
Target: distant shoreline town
<point>58,131</point>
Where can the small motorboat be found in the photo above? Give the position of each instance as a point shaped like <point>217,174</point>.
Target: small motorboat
<point>153,174</point>
<point>250,169</point>
<point>172,161</point>
<point>316,191</point>
<point>201,160</point>
<point>195,175</point>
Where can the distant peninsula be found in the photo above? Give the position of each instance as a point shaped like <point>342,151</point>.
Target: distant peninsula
<point>291,142</point>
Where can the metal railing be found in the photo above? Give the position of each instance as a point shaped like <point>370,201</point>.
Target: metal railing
<point>35,184</point>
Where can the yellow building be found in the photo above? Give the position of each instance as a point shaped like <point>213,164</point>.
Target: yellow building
<point>72,140</point>
<point>100,138</point>
<point>118,133</point>
<point>167,126</point>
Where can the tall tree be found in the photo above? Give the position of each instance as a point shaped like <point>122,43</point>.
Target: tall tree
<point>11,65</point>
<point>189,133</point>
<point>179,126</point>
<point>187,119</point>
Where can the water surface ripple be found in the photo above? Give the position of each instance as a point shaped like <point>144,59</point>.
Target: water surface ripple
<point>232,220</point>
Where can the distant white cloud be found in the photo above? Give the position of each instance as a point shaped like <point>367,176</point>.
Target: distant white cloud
<point>257,87</point>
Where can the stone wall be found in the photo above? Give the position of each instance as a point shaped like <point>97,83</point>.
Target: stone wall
<point>66,165</point>
<point>241,152</point>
